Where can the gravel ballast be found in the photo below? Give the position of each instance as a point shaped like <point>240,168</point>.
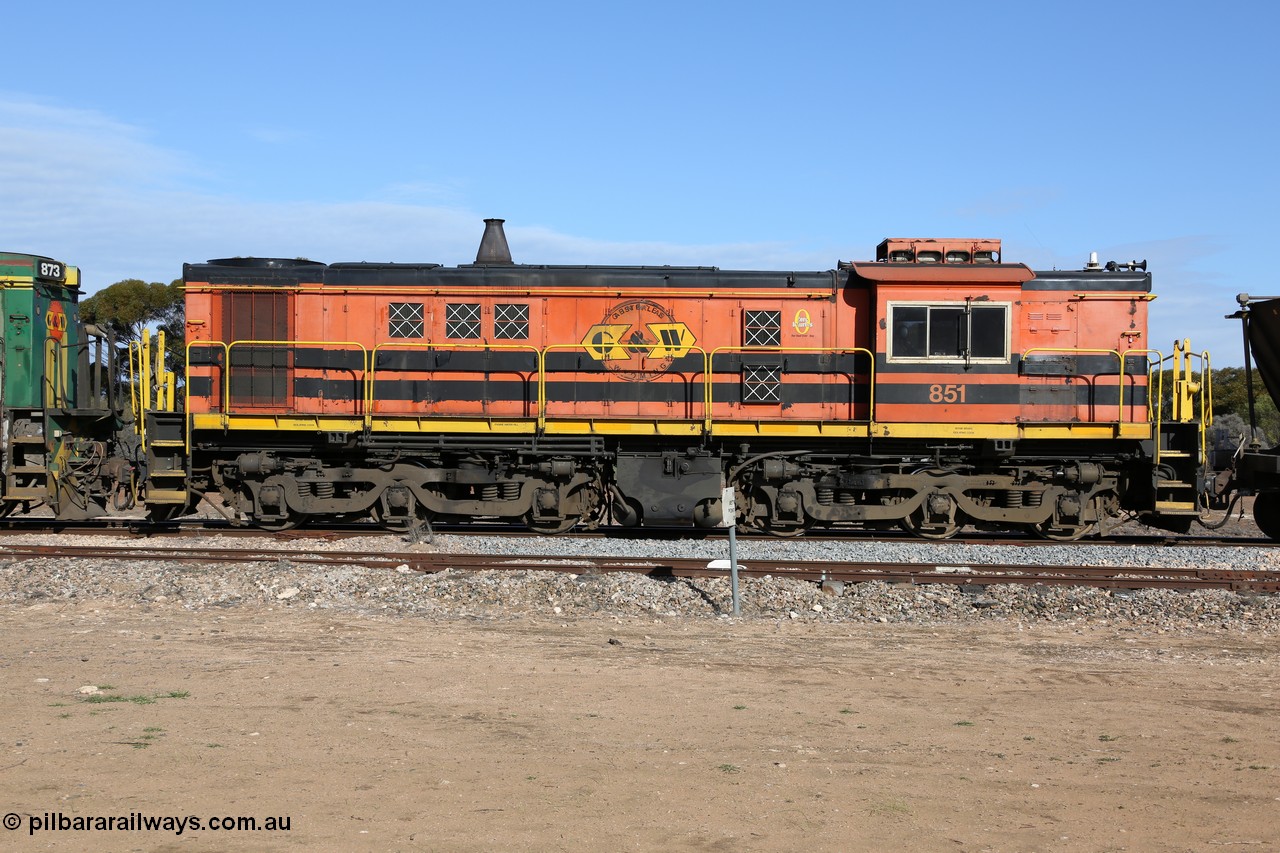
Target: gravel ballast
<point>501,594</point>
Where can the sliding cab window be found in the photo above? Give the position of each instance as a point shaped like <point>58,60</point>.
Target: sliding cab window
<point>949,332</point>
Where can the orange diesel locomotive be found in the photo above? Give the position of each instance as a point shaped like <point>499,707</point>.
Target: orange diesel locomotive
<point>934,387</point>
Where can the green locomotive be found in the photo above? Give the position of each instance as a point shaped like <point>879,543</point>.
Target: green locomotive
<point>61,416</point>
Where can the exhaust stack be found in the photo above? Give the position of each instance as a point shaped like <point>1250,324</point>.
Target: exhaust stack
<point>493,245</point>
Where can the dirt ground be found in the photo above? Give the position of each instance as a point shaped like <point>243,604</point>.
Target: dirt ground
<point>380,733</point>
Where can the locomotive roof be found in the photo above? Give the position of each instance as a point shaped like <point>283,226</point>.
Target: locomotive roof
<point>944,273</point>
<point>281,272</point>
<point>1120,280</point>
<point>276,272</point>
<point>23,265</point>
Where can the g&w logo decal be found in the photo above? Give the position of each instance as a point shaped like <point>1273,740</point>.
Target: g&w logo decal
<point>55,321</point>
<point>638,340</point>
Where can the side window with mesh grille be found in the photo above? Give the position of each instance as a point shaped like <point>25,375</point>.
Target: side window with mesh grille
<point>761,328</point>
<point>510,322</point>
<point>462,320</point>
<point>761,383</point>
<point>404,320</point>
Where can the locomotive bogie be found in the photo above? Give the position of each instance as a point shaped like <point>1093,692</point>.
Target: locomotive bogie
<point>405,489</point>
<point>1064,499</point>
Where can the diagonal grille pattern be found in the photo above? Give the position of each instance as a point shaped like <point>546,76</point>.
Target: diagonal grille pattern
<point>404,320</point>
<point>511,322</point>
<point>762,328</point>
<point>761,383</point>
<point>462,320</point>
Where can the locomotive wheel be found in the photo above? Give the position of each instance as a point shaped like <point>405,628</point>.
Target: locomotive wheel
<point>588,501</point>
<point>551,526</point>
<point>915,525</point>
<point>1105,505</point>
<point>918,522</point>
<point>403,524</point>
<point>275,525</point>
<point>1266,513</point>
<point>789,531</point>
<point>1069,533</point>
<point>291,519</point>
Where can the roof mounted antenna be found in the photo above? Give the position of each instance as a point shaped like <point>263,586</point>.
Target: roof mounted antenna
<point>493,245</point>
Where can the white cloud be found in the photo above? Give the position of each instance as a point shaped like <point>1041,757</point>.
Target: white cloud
<point>94,192</point>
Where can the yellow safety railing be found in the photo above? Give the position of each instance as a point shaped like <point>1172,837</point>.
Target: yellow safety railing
<point>542,375</point>
<point>186,389</point>
<point>152,387</point>
<point>1120,419</point>
<point>759,350</point>
<point>1155,380</point>
<point>54,379</point>
<point>163,382</point>
<point>372,370</point>
<point>1192,398</point>
<point>227,368</point>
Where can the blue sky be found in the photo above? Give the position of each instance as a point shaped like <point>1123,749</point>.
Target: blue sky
<point>137,136</point>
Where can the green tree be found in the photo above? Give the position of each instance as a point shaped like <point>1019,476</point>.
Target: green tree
<point>1231,396</point>
<point>127,307</point>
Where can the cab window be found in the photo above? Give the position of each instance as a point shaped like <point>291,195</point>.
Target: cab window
<point>951,331</point>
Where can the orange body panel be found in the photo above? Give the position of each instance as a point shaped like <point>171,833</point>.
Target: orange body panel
<point>1036,352</point>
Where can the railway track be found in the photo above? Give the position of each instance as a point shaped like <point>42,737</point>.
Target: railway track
<point>140,528</point>
<point>1127,577</point>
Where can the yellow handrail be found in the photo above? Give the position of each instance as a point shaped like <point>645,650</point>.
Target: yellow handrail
<point>52,375</point>
<point>542,376</point>
<point>134,348</point>
<point>165,378</point>
<point>226,372</point>
<point>186,388</point>
<point>871,381</point>
<point>1090,351</point>
<point>371,371</point>
<point>1154,415</point>
<point>166,391</point>
<point>540,356</point>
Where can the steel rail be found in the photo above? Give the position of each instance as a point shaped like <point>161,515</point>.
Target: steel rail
<point>124,526</point>
<point>1115,577</point>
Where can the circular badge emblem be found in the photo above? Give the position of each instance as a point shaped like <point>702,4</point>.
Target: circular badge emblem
<point>802,322</point>
<point>638,354</point>
<point>55,321</point>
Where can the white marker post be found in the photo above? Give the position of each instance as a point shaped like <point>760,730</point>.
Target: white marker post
<point>729,519</point>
